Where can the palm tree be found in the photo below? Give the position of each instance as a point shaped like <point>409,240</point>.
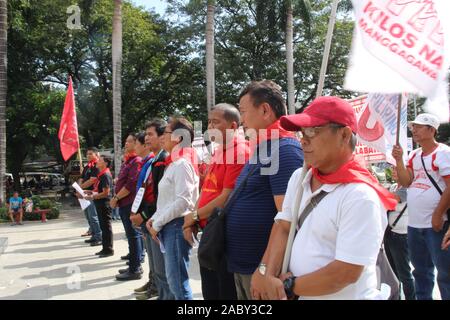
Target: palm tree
<point>117,83</point>
<point>304,11</point>
<point>210,76</point>
<point>3,86</point>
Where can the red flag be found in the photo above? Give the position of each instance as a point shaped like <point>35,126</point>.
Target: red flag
<point>68,129</point>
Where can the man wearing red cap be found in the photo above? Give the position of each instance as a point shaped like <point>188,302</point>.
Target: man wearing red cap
<point>335,250</point>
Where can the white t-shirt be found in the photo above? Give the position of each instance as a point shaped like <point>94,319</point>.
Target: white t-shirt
<point>423,197</point>
<point>347,225</point>
<point>177,193</point>
<point>402,224</point>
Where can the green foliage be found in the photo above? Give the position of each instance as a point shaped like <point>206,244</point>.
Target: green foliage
<point>44,204</point>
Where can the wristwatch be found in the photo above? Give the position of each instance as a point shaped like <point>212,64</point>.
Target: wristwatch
<point>289,284</point>
<point>262,268</point>
<point>195,216</point>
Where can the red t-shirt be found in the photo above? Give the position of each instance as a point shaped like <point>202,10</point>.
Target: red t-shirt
<point>222,173</point>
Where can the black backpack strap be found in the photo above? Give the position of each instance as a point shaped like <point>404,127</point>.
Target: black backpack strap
<point>399,216</point>
<point>310,207</point>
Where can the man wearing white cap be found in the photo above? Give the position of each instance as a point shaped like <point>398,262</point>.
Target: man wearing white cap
<point>427,176</point>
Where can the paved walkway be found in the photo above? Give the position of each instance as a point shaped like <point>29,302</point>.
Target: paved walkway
<point>51,261</point>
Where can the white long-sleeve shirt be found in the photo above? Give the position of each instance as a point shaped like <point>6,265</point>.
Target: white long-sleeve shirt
<point>178,193</point>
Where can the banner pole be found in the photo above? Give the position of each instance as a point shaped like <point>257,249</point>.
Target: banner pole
<point>399,115</point>
<point>81,160</point>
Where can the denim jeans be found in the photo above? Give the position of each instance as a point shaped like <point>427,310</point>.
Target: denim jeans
<point>134,237</point>
<point>159,272</point>
<point>94,224</point>
<point>115,213</point>
<point>426,254</point>
<point>176,259</point>
<point>396,246</point>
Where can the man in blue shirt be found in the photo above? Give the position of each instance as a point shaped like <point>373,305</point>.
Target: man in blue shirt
<point>15,207</point>
<point>276,155</point>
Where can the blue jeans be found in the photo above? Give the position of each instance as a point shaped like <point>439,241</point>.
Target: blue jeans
<point>134,237</point>
<point>426,254</point>
<point>159,272</point>
<point>176,259</point>
<point>115,213</point>
<point>396,246</point>
<point>94,224</point>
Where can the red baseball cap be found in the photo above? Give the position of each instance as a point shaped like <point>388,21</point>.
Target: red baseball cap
<point>321,111</point>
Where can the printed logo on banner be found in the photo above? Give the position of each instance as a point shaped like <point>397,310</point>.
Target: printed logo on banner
<point>377,126</point>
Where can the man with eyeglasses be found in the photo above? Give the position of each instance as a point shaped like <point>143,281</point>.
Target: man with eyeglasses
<point>427,206</point>
<point>335,249</point>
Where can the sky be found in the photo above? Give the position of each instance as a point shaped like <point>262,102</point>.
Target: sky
<point>158,5</point>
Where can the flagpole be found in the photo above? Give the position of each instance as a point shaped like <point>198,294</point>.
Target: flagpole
<point>81,160</point>
<point>399,115</point>
<point>326,53</point>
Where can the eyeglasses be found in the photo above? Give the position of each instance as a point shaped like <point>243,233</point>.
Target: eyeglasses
<point>311,132</point>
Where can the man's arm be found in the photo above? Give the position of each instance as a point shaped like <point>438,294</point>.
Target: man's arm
<point>88,183</point>
<point>441,209</point>
<point>273,256</point>
<point>405,175</point>
<point>328,280</point>
<point>207,210</point>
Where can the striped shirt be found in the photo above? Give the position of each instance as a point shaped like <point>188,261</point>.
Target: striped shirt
<point>250,216</point>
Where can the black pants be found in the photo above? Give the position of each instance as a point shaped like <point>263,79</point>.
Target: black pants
<point>104,218</point>
<point>218,285</point>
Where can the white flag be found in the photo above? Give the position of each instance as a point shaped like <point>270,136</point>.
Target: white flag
<point>377,123</point>
<point>402,46</point>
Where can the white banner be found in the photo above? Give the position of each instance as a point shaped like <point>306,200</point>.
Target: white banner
<point>402,46</point>
<point>377,126</point>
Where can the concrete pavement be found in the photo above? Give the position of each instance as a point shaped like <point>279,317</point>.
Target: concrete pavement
<point>51,261</point>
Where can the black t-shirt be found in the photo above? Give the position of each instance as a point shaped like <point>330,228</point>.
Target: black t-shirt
<point>105,181</point>
<point>89,172</point>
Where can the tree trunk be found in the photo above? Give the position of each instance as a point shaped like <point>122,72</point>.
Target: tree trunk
<point>210,79</point>
<point>117,84</point>
<point>3,88</point>
<point>290,59</point>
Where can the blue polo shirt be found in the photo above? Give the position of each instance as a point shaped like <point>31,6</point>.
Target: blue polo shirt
<point>250,215</point>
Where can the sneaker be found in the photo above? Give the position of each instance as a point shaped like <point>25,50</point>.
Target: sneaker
<point>106,254</point>
<point>13,224</point>
<point>140,270</point>
<point>129,276</point>
<point>142,289</point>
<point>127,257</point>
<point>96,243</point>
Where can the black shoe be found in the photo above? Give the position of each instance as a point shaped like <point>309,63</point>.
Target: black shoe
<point>99,253</point>
<point>96,243</point>
<point>129,276</point>
<point>127,257</point>
<point>106,254</point>
<point>140,270</point>
<point>90,240</point>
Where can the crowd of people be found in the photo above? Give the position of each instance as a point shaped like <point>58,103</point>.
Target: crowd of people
<point>340,220</point>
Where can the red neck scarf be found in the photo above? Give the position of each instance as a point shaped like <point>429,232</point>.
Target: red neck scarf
<point>129,156</point>
<point>105,171</point>
<point>282,133</point>
<point>92,163</point>
<point>188,153</point>
<point>352,171</point>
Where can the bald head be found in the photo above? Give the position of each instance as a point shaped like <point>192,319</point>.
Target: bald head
<point>230,112</point>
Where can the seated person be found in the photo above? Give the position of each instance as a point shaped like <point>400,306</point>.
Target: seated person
<point>15,207</point>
